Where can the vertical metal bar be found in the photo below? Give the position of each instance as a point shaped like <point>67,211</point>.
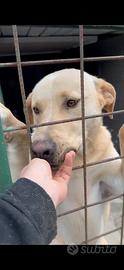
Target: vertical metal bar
<point>19,67</point>
<point>122,223</point>
<point>5,175</point>
<point>83,126</point>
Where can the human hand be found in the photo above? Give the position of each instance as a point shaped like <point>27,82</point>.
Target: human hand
<point>39,171</point>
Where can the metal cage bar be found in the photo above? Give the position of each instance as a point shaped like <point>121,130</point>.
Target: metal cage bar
<point>101,235</point>
<point>18,59</point>
<point>122,223</point>
<point>80,60</point>
<point>62,61</point>
<point>66,120</point>
<point>83,128</point>
<point>90,205</point>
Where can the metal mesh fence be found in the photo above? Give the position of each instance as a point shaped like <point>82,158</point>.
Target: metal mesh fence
<point>19,64</point>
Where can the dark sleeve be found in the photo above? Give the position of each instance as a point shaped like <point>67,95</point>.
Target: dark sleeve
<point>27,215</point>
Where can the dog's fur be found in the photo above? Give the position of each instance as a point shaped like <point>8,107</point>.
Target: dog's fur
<point>50,97</point>
<point>16,142</point>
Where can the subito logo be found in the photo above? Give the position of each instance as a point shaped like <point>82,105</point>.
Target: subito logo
<point>72,250</point>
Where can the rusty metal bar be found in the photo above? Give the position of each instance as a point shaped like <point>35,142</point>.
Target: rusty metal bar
<point>65,121</point>
<point>87,164</point>
<point>104,114</point>
<point>41,62</point>
<point>98,162</point>
<point>122,223</point>
<point>45,124</point>
<point>62,61</point>
<point>19,68</point>
<point>89,205</point>
<point>81,166</point>
<point>57,122</point>
<point>104,58</point>
<point>83,125</point>
<point>100,235</point>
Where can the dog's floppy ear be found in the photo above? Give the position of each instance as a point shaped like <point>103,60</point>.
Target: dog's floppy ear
<point>29,106</point>
<point>107,95</point>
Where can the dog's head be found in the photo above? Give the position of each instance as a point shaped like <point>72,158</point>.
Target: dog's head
<point>57,97</point>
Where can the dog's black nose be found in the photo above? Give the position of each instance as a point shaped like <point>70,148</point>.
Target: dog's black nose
<point>44,149</point>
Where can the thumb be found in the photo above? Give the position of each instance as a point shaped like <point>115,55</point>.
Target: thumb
<point>64,173</point>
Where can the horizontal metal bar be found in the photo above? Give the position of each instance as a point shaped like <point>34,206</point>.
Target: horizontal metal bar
<point>106,200</point>
<point>89,205</point>
<point>77,167</point>
<point>57,122</point>
<point>70,211</point>
<point>98,162</point>
<point>13,129</point>
<point>62,61</point>
<point>44,124</point>
<point>40,62</point>
<point>104,114</point>
<point>100,235</point>
<point>104,58</point>
<point>64,121</point>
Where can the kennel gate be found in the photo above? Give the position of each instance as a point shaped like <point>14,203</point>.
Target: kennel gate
<point>5,177</point>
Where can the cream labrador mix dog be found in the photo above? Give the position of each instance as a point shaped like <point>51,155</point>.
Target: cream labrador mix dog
<point>57,97</point>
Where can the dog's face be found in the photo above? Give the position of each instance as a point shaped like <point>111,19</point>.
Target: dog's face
<point>57,97</point>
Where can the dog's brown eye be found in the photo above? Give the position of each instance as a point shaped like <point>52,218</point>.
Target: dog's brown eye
<point>36,110</point>
<point>72,102</point>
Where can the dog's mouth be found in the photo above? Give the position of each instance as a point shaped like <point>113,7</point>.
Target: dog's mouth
<point>56,166</point>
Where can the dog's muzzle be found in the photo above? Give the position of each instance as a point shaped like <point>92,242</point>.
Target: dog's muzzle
<point>47,149</point>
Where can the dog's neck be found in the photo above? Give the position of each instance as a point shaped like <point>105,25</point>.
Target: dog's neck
<point>97,146</point>
<point>96,150</point>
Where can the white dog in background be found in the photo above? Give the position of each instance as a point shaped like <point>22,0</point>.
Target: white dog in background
<point>57,97</point>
